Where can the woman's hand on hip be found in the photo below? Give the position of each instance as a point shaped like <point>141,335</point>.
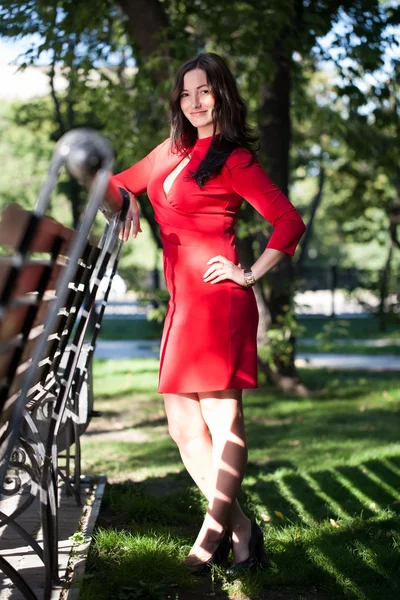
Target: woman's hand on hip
<point>132,220</point>
<point>222,269</point>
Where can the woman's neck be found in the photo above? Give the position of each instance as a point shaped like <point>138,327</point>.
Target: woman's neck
<point>207,131</point>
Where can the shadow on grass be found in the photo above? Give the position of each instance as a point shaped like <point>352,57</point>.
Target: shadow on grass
<point>337,529</point>
<point>336,384</point>
<point>323,480</point>
<point>143,534</point>
<point>152,422</point>
<point>307,498</point>
<point>329,535</point>
<point>373,425</point>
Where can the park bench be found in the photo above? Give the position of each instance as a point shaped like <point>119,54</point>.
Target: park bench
<point>49,280</point>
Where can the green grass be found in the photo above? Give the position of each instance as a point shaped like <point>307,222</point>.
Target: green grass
<point>323,479</point>
<point>357,328</point>
<point>137,329</point>
<point>390,350</point>
<point>129,329</point>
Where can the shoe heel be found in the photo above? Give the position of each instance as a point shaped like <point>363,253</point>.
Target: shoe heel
<point>263,558</point>
<point>222,552</point>
<point>260,554</point>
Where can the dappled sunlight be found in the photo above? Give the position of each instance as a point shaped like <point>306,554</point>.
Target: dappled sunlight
<point>289,496</point>
<point>322,562</point>
<point>323,480</point>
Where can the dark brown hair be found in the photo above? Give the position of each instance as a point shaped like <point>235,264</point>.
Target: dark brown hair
<point>229,113</point>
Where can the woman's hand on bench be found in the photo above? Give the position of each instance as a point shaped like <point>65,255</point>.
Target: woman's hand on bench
<point>131,225</point>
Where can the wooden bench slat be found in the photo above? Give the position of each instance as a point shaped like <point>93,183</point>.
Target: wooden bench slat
<point>15,222</point>
<point>14,318</point>
<point>27,278</point>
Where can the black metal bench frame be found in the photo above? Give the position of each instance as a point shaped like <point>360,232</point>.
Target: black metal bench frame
<point>44,411</point>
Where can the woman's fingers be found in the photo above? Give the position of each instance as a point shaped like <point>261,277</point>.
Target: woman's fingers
<point>132,221</point>
<point>212,274</point>
<point>210,271</point>
<point>125,229</point>
<point>223,277</point>
<point>218,258</point>
<point>135,224</point>
<point>222,269</point>
<point>217,262</point>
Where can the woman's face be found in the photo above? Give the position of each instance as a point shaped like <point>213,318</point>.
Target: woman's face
<point>197,102</point>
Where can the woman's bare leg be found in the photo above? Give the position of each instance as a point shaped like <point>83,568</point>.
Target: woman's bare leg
<point>188,422</point>
<point>223,414</point>
<point>189,431</point>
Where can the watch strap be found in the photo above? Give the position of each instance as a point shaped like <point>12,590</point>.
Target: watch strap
<point>249,277</point>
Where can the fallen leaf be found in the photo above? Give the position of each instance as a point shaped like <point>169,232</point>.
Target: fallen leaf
<point>333,523</point>
<point>280,515</point>
<point>388,533</point>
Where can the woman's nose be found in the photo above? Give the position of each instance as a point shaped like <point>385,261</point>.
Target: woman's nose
<point>196,101</point>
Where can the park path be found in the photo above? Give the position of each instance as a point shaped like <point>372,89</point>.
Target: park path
<point>108,349</point>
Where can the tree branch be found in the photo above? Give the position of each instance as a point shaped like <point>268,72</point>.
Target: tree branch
<point>308,234</point>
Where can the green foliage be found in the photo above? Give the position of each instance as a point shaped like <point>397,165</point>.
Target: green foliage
<point>332,330</point>
<point>159,299</point>
<point>126,564</point>
<point>24,156</point>
<point>279,345</point>
<point>77,538</point>
<point>343,102</point>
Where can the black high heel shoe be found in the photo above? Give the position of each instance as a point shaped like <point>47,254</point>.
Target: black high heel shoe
<point>217,559</point>
<point>257,555</point>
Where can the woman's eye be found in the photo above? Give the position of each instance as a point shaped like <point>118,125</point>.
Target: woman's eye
<point>205,91</point>
<point>184,95</point>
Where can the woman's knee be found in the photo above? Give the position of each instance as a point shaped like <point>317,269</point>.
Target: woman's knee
<point>187,436</point>
<point>223,413</point>
<point>186,425</point>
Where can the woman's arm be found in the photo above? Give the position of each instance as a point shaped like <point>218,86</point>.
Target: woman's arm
<point>253,184</point>
<point>134,180</point>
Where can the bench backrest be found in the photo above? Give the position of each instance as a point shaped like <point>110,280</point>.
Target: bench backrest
<point>49,281</point>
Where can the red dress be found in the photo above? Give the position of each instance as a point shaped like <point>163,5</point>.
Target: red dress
<point>209,341</point>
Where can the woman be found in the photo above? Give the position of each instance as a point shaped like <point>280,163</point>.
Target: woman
<point>196,181</point>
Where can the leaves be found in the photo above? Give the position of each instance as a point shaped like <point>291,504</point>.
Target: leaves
<point>334,524</point>
<point>280,515</point>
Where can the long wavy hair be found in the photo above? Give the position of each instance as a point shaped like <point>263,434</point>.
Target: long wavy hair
<point>229,113</point>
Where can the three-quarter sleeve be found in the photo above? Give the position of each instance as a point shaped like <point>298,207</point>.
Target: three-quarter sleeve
<point>135,179</point>
<point>253,184</point>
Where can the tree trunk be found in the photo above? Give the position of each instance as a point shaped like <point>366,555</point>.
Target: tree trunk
<point>383,291</point>
<point>275,136</point>
<point>148,23</point>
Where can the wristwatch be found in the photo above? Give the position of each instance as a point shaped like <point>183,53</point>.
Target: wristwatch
<point>249,278</point>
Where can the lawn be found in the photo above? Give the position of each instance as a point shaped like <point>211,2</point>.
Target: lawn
<point>338,335</point>
<point>323,480</point>
<point>358,328</point>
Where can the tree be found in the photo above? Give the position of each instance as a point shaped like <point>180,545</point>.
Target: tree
<point>273,46</point>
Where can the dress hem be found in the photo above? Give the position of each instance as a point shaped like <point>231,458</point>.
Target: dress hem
<point>218,389</point>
